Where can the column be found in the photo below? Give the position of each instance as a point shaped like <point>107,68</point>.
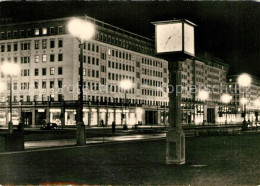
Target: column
<point>89,116</point>
<point>175,138</point>
<point>62,115</point>
<point>7,113</point>
<point>33,116</point>
<point>98,118</point>
<point>158,117</point>
<point>47,115</point>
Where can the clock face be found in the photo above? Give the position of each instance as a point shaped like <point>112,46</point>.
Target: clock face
<point>168,37</point>
<point>189,39</point>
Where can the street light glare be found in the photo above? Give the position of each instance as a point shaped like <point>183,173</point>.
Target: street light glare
<point>244,101</point>
<point>3,87</point>
<point>244,80</point>
<point>81,29</point>
<point>226,98</point>
<point>203,95</point>
<point>126,84</point>
<point>10,68</point>
<point>257,102</point>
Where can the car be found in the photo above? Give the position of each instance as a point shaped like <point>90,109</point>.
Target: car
<point>49,126</point>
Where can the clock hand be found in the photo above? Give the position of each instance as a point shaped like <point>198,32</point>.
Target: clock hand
<point>170,38</point>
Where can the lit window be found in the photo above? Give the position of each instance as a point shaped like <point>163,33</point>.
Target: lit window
<point>52,71</point>
<point>44,31</point>
<point>36,32</point>
<point>37,58</point>
<point>44,58</point>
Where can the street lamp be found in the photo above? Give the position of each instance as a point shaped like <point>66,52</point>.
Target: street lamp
<point>203,95</point>
<point>11,69</point>
<point>226,98</point>
<point>126,85</point>
<point>244,80</point>
<point>82,30</point>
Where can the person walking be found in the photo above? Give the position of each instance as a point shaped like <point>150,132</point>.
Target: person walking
<point>113,127</point>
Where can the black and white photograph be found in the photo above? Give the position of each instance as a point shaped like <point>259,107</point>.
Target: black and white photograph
<point>129,92</point>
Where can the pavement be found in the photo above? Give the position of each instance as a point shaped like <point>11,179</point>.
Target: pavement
<point>94,140</point>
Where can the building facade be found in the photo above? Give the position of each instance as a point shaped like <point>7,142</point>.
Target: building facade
<point>250,93</point>
<point>47,90</point>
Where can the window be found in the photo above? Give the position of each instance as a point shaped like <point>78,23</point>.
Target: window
<point>44,31</point>
<point>44,71</point>
<point>15,59</point>
<point>36,31</point>
<point>52,43</point>
<point>89,46</point>
<point>44,84</point>
<point>25,46</point>
<point>60,29</point>
<point>8,47</point>
<point>36,44</point>
<point>36,72</point>
<point>36,85</point>
<point>59,70</point>
<point>37,59</point>
<point>103,68</point>
<point>52,56</point>
<point>60,57</point>
<point>60,43</point>
<point>93,61</point>
<point>15,46</point>
<point>2,35</point>
<point>28,33</point>
<point>25,59</point>
<point>52,71</point>
<point>97,48</point>
<point>93,73</point>
<point>2,48</point>
<point>60,83</point>
<point>97,61</point>
<point>44,43</point>
<point>51,84</point>
<point>44,58</point>
<point>97,74</point>
<point>52,30</point>
<point>22,33</point>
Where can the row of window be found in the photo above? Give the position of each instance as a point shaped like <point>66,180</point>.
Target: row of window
<point>90,73</point>
<point>151,93</point>
<point>119,77</point>
<point>31,32</point>
<point>151,62</point>
<point>120,66</point>
<point>150,82</point>
<point>151,72</point>
<point>26,45</point>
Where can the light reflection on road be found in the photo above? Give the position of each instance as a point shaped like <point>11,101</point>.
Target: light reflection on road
<point>72,142</point>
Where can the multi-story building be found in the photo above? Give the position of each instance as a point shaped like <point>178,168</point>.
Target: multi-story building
<point>47,87</point>
<point>203,73</point>
<point>250,93</point>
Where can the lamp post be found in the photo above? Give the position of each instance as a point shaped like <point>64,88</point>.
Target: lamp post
<point>203,95</point>
<point>226,98</point>
<point>126,85</point>
<point>82,30</point>
<point>11,69</point>
<point>257,105</point>
<point>244,80</point>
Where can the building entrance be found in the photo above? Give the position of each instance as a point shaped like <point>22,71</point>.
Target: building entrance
<point>27,118</point>
<point>150,117</point>
<point>210,115</point>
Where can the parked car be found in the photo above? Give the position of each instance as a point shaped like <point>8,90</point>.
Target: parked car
<point>49,126</point>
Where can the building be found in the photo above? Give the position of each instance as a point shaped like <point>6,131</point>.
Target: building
<point>47,88</point>
<point>204,72</point>
<point>252,95</point>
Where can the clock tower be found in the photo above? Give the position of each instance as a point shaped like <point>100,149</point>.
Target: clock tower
<point>174,41</point>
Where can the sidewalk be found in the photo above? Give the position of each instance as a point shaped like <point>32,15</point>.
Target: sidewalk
<point>71,142</point>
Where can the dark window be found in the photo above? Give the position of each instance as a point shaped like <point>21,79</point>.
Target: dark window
<point>8,47</point>
<point>52,58</point>
<point>60,71</point>
<point>60,44</point>
<point>44,71</point>
<point>36,72</point>
<point>60,56</point>
<point>52,43</point>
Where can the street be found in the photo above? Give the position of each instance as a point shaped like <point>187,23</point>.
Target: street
<point>213,160</point>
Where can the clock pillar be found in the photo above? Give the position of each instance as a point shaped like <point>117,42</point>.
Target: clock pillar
<point>175,137</point>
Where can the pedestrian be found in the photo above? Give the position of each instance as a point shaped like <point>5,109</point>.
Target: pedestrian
<point>20,126</point>
<point>102,123</point>
<point>113,127</point>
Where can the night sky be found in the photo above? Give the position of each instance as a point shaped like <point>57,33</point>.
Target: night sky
<point>228,30</point>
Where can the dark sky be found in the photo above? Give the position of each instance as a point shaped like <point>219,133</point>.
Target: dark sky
<point>228,30</point>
